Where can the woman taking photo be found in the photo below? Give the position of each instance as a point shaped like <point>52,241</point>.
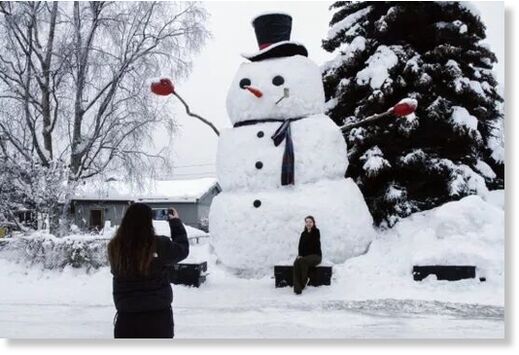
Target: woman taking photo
<point>138,259</point>
<point>309,254</point>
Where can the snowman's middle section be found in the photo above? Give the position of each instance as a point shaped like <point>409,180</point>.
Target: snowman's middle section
<point>248,160</point>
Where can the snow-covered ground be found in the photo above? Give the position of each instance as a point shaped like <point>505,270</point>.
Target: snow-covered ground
<point>371,296</point>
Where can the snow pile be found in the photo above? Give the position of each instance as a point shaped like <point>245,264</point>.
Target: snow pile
<point>465,232</point>
<point>496,198</point>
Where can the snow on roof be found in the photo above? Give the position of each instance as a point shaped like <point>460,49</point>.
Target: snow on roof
<point>151,190</point>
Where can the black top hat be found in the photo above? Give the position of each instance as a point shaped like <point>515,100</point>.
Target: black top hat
<point>273,35</point>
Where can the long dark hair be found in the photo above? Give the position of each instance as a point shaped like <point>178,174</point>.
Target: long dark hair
<point>314,227</point>
<point>131,249</point>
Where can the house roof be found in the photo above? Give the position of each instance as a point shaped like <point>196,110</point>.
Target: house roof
<point>150,191</point>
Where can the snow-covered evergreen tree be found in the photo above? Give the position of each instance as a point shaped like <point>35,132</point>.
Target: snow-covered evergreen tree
<point>432,52</point>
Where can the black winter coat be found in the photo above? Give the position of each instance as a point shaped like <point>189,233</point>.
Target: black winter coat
<point>310,243</point>
<point>153,292</point>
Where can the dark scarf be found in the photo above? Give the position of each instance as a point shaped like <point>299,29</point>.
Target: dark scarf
<point>282,133</point>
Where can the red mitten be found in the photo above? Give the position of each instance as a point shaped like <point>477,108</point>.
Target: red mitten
<point>164,87</point>
<point>404,107</point>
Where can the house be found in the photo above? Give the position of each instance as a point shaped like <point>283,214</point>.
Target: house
<point>96,204</point>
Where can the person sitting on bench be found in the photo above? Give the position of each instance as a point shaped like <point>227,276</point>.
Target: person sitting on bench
<point>309,254</point>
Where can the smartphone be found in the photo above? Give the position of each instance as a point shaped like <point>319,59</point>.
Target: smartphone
<point>160,214</point>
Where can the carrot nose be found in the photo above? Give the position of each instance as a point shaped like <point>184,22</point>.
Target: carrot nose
<point>254,91</point>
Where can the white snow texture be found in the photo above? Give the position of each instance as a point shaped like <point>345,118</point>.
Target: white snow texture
<point>371,296</point>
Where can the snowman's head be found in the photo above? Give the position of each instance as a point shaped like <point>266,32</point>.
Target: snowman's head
<point>276,88</point>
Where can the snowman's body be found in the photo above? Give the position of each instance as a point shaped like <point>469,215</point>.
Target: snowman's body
<point>255,222</point>
<point>247,159</point>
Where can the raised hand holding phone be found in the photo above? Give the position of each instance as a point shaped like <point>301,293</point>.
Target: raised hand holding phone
<point>172,213</point>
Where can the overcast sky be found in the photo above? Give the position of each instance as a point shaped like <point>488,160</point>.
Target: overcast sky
<point>194,144</point>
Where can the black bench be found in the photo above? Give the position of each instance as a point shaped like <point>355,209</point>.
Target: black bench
<point>318,275</point>
<point>189,274</point>
<point>445,272</point>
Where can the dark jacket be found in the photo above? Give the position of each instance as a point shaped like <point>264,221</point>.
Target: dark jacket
<point>153,292</point>
<point>310,243</point>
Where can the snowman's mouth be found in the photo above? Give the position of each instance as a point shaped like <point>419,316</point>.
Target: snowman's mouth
<point>286,94</point>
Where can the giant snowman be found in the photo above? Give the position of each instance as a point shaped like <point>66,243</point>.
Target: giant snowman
<point>283,159</point>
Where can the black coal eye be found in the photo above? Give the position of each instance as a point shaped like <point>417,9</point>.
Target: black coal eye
<point>244,82</point>
<point>278,80</point>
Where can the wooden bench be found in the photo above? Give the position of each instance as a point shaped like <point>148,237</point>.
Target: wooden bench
<point>445,272</point>
<point>318,275</point>
<point>189,274</point>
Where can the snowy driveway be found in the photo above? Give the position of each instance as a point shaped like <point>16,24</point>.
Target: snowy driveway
<point>352,319</point>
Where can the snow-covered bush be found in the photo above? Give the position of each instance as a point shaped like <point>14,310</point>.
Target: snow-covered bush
<point>78,250</point>
<point>51,252</point>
